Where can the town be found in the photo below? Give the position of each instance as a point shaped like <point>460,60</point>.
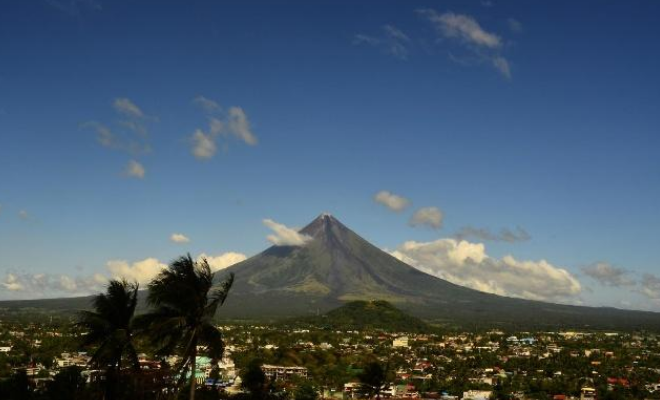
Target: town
<point>283,361</point>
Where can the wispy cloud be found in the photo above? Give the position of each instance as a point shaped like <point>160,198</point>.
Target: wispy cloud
<point>391,40</point>
<point>134,170</point>
<point>465,30</point>
<point>392,201</point>
<point>130,133</point>
<point>608,275</point>
<point>285,236</point>
<point>234,123</point>
<point>504,235</point>
<point>427,216</point>
<point>125,106</point>
<point>462,27</point>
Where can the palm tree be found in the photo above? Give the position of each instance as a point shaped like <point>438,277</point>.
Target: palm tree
<point>110,327</point>
<point>373,379</point>
<point>185,301</point>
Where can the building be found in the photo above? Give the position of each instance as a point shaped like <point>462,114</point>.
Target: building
<point>281,373</point>
<point>587,393</point>
<point>401,341</point>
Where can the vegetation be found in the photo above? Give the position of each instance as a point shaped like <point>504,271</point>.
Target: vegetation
<point>110,328</point>
<point>185,301</point>
<point>369,315</point>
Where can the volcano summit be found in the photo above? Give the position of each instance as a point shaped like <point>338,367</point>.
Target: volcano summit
<point>334,265</point>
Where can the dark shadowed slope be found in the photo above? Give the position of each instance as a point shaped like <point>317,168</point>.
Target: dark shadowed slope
<point>337,266</point>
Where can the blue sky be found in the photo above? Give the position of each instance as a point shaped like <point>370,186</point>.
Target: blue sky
<point>125,122</point>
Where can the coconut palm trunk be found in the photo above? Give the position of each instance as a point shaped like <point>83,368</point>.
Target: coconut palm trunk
<point>184,300</point>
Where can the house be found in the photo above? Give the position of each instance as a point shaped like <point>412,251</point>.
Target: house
<point>401,341</point>
<point>477,394</point>
<point>281,373</point>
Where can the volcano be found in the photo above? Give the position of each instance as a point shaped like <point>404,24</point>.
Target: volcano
<point>336,266</point>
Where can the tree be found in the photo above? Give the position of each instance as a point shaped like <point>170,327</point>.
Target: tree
<point>110,327</point>
<point>66,385</point>
<point>254,380</point>
<point>373,379</point>
<point>305,391</point>
<point>185,301</point>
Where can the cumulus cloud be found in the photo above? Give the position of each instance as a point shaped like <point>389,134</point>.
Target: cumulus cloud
<point>504,235</point>
<point>224,260</point>
<point>392,201</point>
<point>51,284</point>
<point>427,216</point>
<point>391,41</point>
<point>234,123</point>
<point>134,170</point>
<point>608,275</point>
<point>464,30</point>
<point>140,271</point>
<point>12,283</point>
<point>204,146</point>
<point>285,236</point>
<point>467,264</point>
<point>179,238</point>
<point>650,286</point>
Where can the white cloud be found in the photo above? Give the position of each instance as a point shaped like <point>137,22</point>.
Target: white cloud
<point>22,214</point>
<point>47,285</point>
<point>234,122</point>
<point>239,126</point>
<point>207,104</point>
<point>179,238</point>
<point>12,283</point>
<point>501,64</point>
<point>285,236</point>
<point>485,47</point>
<point>427,216</point>
<point>462,27</point>
<point>393,41</point>
<point>126,107</point>
<point>504,235</point>
<point>103,134</point>
<point>141,271</point>
<point>650,286</point>
<point>467,264</point>
<point>224,260</point>
<point>134,170</point>
<point>392,201</point>
<point>608,275</point>
<point>203,145</point>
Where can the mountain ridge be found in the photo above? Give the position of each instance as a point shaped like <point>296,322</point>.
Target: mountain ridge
<point>336,266</point>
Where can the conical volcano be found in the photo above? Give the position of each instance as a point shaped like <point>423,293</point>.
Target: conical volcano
<point>336,265</point>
